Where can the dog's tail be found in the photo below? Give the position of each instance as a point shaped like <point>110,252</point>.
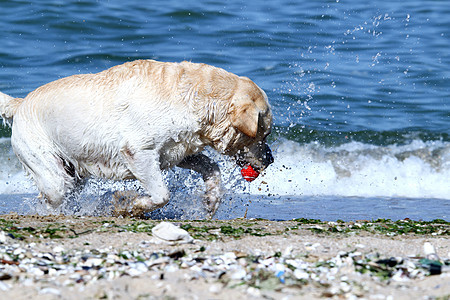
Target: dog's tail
<point>8,107</point>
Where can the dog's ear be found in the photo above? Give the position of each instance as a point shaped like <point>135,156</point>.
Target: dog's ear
<point>245,117</point>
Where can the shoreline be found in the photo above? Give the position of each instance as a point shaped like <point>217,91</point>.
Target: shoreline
<point>67,257</point>
<point>257,206</point>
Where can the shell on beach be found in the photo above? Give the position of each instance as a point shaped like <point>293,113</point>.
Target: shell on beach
<point>169,232</point>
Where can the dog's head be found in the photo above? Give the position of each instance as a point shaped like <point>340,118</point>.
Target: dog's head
<point>251,115</point>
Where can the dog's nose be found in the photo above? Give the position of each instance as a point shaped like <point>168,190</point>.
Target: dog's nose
<point>268,155</point>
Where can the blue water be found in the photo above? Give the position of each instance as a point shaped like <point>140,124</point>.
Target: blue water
<point>360,90</point>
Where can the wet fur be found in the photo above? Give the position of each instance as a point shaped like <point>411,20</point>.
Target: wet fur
<point>131,121</point>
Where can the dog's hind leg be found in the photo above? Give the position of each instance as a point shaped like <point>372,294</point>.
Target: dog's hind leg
<point>210,172</point>
<point>48,170</point>
<point>145,167</point>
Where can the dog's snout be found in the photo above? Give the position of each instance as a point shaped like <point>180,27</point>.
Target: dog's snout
<point>259,156</point>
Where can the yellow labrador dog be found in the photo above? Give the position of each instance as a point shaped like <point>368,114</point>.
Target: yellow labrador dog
<point>133,120</point>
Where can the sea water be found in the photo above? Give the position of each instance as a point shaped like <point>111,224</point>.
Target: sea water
<point>360,93</point>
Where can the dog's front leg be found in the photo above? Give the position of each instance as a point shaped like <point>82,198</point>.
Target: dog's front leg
<point>145,167</point>
<point>210,172</point>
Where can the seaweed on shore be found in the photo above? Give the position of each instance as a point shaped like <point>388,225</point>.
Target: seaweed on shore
<point>382,226</point>
<point>55,228</point>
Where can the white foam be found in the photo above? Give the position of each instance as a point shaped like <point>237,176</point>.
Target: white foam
<point>12,177</point>
<point>417,170</point>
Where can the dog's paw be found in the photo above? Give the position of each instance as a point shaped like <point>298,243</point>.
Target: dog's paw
<point>212,197</point>
<point>211,203</point>
<point>141,206</point>
<point>123,202</point>
<point>131,204</point>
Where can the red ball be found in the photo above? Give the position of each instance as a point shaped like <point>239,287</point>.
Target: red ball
<point>249,173</point>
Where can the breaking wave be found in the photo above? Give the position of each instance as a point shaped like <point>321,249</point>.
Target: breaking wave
<point>418,169</point>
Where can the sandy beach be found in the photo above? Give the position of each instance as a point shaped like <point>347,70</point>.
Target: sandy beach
<point>63,257</point>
